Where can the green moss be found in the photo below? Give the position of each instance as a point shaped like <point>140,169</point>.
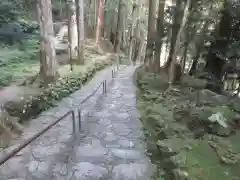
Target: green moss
<point>16,64</point>
<point>172,146</point>
<point>202,162</point>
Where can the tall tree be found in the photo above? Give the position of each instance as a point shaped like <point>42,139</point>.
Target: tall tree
<point>70,47</point>
<point>160,32</point>
<point>150,34</point>
<point>177,44</point>
<point>99,22</point>
<point>199,45</point>
<point>224,34</point>
<point>131,38</point>
<point>72,32</point>
<point>119,27</point>
<point>48,62</point>
<point>137,34</point>
<point>80,29</point>
<point>176,23</point>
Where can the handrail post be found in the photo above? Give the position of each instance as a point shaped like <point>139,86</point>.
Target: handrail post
<point>79,120</point>
<point>73,124</point>
<point>105,86</point>
<point>112,73</point>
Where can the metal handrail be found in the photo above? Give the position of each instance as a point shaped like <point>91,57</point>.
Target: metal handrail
<point>104,83</point>
<point>37,135</point>
<point>94,92</point>
<point>28,141</point>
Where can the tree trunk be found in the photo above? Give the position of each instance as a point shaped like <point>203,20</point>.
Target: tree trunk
<point>177,19</point>
<point>61,9</point>
<point>72,31</point>
<point>80,30</point>
<point>184,57</point>
<point>99,22</point>
<point>137,32</point>
<point>160,31</point>
<point>150,34</point>
<point>136,51</point>
<point>70,47</point>
<point>214,63</point>
<point>199,45</point>
<point>48,62</point>
<point>119,28</point>
<point>95,15</point>
<point>177,44</point>
<point>131,38</point>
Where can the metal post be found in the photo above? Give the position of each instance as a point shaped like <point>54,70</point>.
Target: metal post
<point>112,73</point>
<point>73,124</point>
<point>105,86</point>
<point>103,83</point>
<point>79,120</point>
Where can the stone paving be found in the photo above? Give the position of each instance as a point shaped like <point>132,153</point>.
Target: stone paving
<point>110,144</point>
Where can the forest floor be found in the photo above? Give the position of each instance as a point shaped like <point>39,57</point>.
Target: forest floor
<point>183,141</point>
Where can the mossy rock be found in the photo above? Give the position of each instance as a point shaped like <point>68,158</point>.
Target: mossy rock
<point>174,144</point>
<point>207,97</point>
<point>193,82</point>
<point>203,113</point>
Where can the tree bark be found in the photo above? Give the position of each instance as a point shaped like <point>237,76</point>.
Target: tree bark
<point>95,15</point>
<point>70,46</point>
<point>177,19</point>
<point>199,46</point>
<point>80,30</point>
<point>150,35</point>
<point>99,22</point>
<point>214,63</point>
<point>184,57</point>
<point>177,44</point>
<point>160,31</point>
<point>72,32</point>
<point>48,62</point>
<point>131,38</point>
<point>119,28</point>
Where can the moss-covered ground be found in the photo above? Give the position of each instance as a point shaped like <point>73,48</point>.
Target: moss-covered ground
<point>182,142</point>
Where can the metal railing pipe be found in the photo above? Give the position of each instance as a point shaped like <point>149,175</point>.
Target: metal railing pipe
<point>28,141</point>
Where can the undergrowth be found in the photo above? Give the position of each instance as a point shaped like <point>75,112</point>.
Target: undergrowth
<point>33,105</point>
<point>180,151</point>
<point>16,64</point>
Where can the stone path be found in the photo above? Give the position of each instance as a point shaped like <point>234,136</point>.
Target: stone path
<point>110,145</point>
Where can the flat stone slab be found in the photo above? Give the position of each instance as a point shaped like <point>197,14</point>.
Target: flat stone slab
<point>130,172</point>
<point>88,171</point>
<point>91,151</point>
<point>126,154</point>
